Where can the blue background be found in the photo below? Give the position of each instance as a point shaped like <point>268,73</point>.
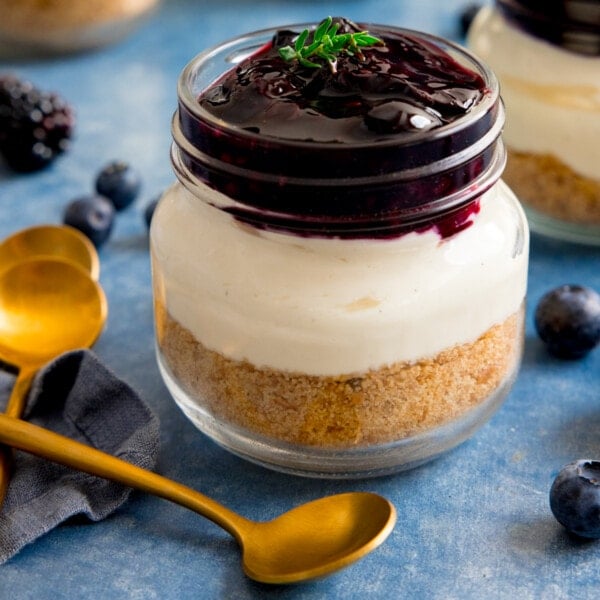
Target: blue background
<point>473,524</point>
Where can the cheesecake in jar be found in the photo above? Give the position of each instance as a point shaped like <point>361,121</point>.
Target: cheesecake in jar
<point>339,274</point>
<point>546,56</point>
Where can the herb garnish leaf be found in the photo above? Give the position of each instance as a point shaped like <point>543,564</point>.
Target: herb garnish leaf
<point>327,44</point>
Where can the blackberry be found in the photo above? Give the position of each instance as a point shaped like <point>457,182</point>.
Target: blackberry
<point>35,125</point>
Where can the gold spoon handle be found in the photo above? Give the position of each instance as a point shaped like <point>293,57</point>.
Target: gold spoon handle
<point>57,448</point>
<point>16,403</point>
<point>14,408</point>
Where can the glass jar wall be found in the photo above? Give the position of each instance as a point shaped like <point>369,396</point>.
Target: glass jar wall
<point>347,308</point>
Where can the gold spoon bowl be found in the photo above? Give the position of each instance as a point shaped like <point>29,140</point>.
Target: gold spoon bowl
<point>311,540</point>
<point>50,241</point>
<point>47,306</point>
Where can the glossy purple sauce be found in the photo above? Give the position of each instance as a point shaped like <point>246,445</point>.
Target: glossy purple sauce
<point>321,153</point>
<point>404,87</point>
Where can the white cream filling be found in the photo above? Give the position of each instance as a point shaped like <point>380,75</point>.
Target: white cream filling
<point>331,307</point>
<point>552,95</point>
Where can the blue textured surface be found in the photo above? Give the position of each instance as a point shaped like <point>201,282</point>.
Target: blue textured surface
<point>473,524</point>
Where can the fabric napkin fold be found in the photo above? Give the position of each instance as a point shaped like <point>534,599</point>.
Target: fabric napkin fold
<point>77,396</point>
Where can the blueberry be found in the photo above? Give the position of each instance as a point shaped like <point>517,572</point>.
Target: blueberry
<point>575,498</point>
<point>395,115</point>
<point>93,216</point>
<point>467,14</point>
<point>149,211</point>
<point>567,320</point>
<point>120,183</point>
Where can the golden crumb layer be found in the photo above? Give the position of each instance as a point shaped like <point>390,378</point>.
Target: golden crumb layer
<point>375,407</point>
<point>552,188</point>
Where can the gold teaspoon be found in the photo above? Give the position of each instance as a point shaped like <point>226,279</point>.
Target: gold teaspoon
<point>47,307</point>
<point>311,540</point>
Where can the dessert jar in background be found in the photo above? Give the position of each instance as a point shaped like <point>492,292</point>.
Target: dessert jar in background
<point>547,58</point>
<point>61,26</point>
<point>339,285</point>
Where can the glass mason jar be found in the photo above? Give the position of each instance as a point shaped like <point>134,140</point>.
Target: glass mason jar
<point>547,58</point>
<point>337,310</point>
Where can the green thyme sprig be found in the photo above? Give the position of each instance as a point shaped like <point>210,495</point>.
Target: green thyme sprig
<point>326,44</point>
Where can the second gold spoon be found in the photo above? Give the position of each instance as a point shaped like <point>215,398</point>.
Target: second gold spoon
<point>47,307</point>
<point>311,540</point>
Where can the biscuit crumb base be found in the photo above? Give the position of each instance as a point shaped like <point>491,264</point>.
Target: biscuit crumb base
<point>552,188</point>
<point>375,407</point>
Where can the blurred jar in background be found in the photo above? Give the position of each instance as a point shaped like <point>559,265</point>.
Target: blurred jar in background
<point>546,54</point>
<point>59,26</point>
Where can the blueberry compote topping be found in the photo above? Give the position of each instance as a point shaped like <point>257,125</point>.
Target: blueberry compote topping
<point>390,142</point>
<point>406,86</point>
<point>571,24</point>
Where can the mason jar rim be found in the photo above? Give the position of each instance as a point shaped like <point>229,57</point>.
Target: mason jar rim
<point>189,97</point>
<point>357,187</point>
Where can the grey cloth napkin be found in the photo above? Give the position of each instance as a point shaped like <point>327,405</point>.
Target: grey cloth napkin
<point>77,396</point>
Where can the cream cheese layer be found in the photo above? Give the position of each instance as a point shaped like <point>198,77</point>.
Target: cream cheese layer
<point>329,306</point>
